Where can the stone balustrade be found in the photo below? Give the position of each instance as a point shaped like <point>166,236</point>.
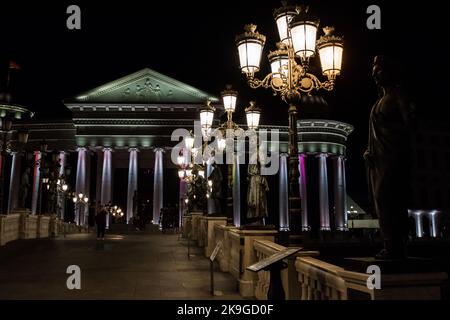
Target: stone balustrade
<point>222,234</point>
<point>242,255</point>
<point>22,225</point>
<point>320,280</point>
<point>264,249</point>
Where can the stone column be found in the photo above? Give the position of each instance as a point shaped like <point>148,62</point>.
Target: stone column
<point>340,194</point>
<point>323,193</point>
<point>14,184</point>
<point>236,192</point>
<point>132,181</point>
<point>158,190</point>
<point>419,227</point>
<point>434,224</point>
<point>80,184</point>
<point>283,205</point>
<point>107,179</point>
<point>36,182</point>
<point>61,196</point>
<point>303,192</point>
<point>98,195</point>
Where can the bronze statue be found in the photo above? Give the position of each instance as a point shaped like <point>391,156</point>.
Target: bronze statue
<point>388,157</point>
<point>256,195</point>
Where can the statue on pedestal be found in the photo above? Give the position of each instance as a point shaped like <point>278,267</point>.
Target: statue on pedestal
<point>216,188</point>
<point>256,196</point>
<point>24,187</point>
<point>388,157</point>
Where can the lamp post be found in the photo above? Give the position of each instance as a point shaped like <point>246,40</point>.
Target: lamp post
<point>8,114</point>
<point>290,77</point>
<point>80,200</point>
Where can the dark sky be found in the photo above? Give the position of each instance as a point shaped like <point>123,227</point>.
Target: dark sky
<point>193,41</point>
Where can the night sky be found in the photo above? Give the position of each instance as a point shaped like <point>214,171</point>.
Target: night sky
<point>193,41</point>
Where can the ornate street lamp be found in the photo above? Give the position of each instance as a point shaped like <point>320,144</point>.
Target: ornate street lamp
<point>289,77</point>
<point>253,113</point>
<point>80,200</point>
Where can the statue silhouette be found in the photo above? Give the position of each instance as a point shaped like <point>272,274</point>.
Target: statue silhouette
<point>388,157</point>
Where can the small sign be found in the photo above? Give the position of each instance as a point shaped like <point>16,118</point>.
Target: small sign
<point>260,265</point>
<point>216,251</point>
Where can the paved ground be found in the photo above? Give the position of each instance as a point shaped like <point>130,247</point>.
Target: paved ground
<point>137,266</point>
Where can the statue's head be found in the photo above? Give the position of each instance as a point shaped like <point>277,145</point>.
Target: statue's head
<point>385,71</point>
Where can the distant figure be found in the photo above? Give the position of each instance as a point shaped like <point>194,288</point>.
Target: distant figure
<point>388,157</point>
<point>100,220</point>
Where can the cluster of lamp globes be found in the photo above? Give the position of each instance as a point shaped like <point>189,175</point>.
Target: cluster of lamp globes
<point>298,31</point>
<point>229,98</point>
<point>116,211</point>
<point>64,187</point>
<point>81,198</point>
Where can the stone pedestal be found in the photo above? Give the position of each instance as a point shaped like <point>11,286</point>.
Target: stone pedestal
<point>9,228</point>
<point>208,232</point>
<point>222,233</point>
<point>187,225</point>
<point>28,225</point>
<point>43,226</point>
<point>202,230</point>
<point>243,254</point>
<point>53,227</point>
<point>195,225</point>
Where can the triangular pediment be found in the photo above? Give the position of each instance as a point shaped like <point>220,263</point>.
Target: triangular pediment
<point>145,87</point>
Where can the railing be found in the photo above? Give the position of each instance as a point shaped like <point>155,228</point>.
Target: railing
<point>264,249</point>
<point>320,280</point>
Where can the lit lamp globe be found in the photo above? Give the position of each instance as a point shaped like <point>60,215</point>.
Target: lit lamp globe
<point>181,173</point>
<point>65,187</point>
<point>189,142</point>
<point>253,114</point>
<point>279,64</point>
<point>283,17</point>
<point>330,49</point>
<point>221,144</point>
<point>74,199</point>
<point>304,32</point>
<point>80,195</point>
<point>229,98</point>
<point>250,45</point>
<point>207,117</point>
<point>201,173</point>
<point>180,160</point>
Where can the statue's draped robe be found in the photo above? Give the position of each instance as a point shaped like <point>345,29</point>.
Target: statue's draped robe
<point>256,195</point>
<point>389,164</point>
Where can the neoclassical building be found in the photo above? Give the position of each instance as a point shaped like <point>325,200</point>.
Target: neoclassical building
<point>118,145</point>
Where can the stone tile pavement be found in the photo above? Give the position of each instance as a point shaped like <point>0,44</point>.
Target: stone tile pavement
<point>133,266</point>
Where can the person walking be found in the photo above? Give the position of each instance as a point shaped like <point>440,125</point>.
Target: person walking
<point>100,220</point>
